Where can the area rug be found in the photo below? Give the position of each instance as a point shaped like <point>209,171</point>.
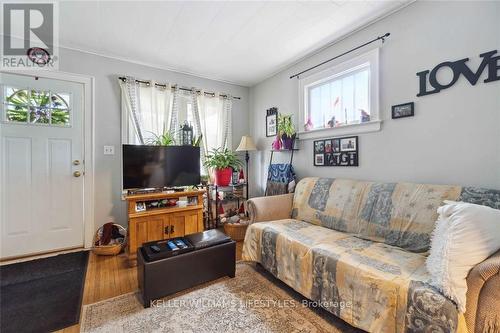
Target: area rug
<point>253,301</point>
<point>42,295</point>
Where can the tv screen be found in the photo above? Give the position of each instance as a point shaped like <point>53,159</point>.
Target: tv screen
<point>160,166</point>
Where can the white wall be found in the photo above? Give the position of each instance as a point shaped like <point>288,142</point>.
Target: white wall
<point>454,137</point>
<point>108,204</point>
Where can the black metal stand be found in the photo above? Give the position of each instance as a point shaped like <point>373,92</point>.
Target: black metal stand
<point>247,158</point>
<point>271,160</point>
<point>227,189</point>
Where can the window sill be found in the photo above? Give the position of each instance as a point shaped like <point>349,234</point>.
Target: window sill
<point>370,126</point>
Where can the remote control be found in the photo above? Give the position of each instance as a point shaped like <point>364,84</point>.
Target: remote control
<point>155,248</point>
<point>180,244</point>
<point>172,246</point>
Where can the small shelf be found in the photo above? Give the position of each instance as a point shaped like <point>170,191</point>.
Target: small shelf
<point>283,150</point>
<point>163,195</point>
<point>225,189</point>
<point>231,197</point>
<point>163,210</point>
<point>230,185</point>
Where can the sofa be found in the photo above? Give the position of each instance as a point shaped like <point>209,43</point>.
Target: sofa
<point>358,249</point>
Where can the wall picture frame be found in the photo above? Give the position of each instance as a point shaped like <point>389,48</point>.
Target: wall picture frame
<point>272,122</point>
<point>319,159</point>
<point>403,110</point>
<point>336,152</point>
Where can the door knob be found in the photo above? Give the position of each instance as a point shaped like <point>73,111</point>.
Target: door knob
<point>76,162</point>
<point>77,174</point>
<point>172,229</point>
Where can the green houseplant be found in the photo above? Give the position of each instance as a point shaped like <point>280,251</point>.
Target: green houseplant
<point>165,139</point>
<point>222,161</point>
<point>287,130</point>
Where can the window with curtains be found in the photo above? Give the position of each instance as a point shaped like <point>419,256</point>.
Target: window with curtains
<point>150,110</point>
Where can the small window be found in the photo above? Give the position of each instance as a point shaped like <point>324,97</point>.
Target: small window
<point>32,106</point>
<point>343,95</point>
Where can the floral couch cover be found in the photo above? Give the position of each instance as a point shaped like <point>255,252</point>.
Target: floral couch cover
<point>359,249</point>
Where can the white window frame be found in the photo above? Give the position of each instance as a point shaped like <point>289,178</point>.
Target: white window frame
<point>4,108</point>
<point>338,71</point>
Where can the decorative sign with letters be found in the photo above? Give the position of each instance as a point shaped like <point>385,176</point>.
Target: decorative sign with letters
<point>336,152</point>
<point>458,68</point>
<point>272,122</point>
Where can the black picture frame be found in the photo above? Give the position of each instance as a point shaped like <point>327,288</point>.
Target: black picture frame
<point>272,122</point>
<point>403,110</point>
<point>342,152</point>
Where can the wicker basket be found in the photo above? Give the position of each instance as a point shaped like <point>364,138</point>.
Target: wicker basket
<point>236,230</point>
<point>109,250</point>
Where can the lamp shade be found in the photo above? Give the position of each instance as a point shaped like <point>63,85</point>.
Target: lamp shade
<point>246,144</point>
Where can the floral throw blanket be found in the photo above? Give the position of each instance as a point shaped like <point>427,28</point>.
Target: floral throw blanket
<point>370,285</point>
<point>359,248</point>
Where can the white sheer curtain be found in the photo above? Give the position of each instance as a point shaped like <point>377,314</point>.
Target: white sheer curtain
<point>199,126</point>
<point>145,111</point>
<point>174,121</point>
<point>215,120</point>
<point>131,122</point>
<point>149,110</point>
<point>226,119</point>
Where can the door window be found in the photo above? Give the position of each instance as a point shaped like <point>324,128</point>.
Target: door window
<point>35,107</point>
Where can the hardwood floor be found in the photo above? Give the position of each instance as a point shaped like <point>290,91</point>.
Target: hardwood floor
<point>110,276</point>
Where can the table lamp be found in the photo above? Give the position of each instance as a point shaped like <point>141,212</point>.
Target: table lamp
<point>246,145</point>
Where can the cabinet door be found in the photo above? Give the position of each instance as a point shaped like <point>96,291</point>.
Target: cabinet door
<point>191,221</point>
<point>145,229</point>
<point>177,222</point>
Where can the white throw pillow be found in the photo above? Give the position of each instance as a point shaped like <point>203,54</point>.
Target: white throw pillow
<point>465,235</point>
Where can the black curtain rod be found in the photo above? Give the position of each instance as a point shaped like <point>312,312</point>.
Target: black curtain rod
<point>124,79</point>
<point>343,54</point>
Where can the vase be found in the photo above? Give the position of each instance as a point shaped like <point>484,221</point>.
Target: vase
<point>277,143</point>
<point>288,141</point>
<point>223,176</point>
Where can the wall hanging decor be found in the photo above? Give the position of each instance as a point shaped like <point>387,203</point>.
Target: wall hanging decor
<point>272,122</point>
<point>458,68</point>
<point>403,110</point>
<point>336,152</point>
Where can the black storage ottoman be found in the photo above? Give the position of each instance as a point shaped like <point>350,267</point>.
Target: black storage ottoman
<point>206,262</point>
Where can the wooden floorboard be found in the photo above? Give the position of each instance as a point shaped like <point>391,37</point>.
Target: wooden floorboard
<point>111,276</point>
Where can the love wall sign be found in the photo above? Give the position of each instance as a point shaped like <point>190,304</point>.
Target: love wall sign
<point>459,68</point>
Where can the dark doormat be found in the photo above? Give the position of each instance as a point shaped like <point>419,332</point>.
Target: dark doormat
<point>42,295</point>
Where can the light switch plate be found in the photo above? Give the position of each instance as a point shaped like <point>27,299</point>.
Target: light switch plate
<point>109,150</point>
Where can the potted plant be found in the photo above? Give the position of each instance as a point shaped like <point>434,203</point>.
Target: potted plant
<point>287,130</point>
<point>165,139</point>
<point>222,161</point>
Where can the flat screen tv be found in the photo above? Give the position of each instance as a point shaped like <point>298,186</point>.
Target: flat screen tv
<point>160,166</point>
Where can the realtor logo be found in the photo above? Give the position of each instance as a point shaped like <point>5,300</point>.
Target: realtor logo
<point>29,36</point>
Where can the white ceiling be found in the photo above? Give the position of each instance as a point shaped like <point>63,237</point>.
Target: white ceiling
<point>241,42</point>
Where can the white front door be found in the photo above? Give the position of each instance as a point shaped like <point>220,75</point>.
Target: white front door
<point>41,165</point>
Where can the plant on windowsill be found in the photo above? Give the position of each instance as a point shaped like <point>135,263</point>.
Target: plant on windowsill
<point>287,130</point>
<point>222,161</point>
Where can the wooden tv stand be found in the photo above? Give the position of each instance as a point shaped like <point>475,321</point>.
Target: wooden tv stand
<point>150,219</point>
